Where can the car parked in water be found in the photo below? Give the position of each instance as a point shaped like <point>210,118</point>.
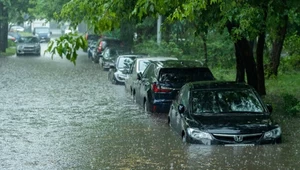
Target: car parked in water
<point>138,66</point>
<point>161,80</point>
<point>120,70</point>
<point>43,33</point>
<point>102,44</point>
<point>28,45</point>
<point>109,56</point>
<point>222,113</point>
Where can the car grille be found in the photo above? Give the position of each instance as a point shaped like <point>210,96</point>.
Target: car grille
<point>29,49</point>
<point>242,138</point>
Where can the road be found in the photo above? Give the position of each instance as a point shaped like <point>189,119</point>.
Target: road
<point>55,116</point>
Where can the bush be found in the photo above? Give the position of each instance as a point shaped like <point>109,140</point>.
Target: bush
<point>290,63</point>
<point>291,104</point>
<point>164,49</point>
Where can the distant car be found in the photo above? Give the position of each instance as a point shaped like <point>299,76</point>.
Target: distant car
<point>17,28</point>
<point>28,45</point>
<point>43,33</point>
<point>11,38</point>
<point>14,35</point>
<point>222,113</point>
<point>119,72</point>
<point>109,56</point>
<point>102,44</point>
<point>138,66</point>
<point>161,81</point>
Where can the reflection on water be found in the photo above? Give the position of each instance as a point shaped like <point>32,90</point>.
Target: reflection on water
<point>57,116</point>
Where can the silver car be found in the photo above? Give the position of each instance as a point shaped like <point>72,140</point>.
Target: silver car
<point>28,45</point>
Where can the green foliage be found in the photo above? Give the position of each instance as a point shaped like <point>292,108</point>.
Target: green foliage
<point>290,63</point>
<point>291,104</point>
<point>67,46</point>
<point>164,49</point>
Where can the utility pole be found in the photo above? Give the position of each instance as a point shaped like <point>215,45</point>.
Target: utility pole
<point>159,29</point>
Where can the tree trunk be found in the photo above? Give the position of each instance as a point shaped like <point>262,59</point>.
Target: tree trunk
<point>127,33</point>
<point>2,26</point>
<point>278,42</point>
<point>261,89</point>
<point>203,36</point>
<point>240,68</point>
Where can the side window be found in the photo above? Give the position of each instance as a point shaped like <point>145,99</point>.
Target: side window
<point>148,71</point>
<point>185,97</point>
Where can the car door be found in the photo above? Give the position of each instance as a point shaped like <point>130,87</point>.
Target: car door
<point>144,83</point>
<point>179,118</point>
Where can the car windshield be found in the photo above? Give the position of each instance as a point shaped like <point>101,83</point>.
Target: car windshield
<point>225,101</point>
<point>29,40</point>
<point>125,62</point>
<point>185,74</point>
<point>41,30</point>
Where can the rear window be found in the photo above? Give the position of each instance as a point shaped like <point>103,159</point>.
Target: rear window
<point>185,74</point>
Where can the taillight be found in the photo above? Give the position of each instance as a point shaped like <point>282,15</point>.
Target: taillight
<point>100,47</point>
<point>158,89</point>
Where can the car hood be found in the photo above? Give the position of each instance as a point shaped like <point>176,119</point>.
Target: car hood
<point>234,124</point>
<point>27,44</point>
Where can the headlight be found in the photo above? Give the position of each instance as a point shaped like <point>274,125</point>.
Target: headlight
<point>272,134</point>
<point>20,47</point>
<point>197,134</point>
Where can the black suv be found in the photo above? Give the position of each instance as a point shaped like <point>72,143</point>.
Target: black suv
<point>161,81</point>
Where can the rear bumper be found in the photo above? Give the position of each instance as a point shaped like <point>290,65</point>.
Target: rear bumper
<point>160,106</point>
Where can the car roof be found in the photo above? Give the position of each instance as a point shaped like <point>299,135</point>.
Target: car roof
<point>157,58</point>
<point>178,64</point>
<point>217,84</point>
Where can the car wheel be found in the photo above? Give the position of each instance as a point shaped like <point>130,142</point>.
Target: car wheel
<point>133,98</point>
<point>145,107</point>
<point>114,81</point>
<point>184,137</point>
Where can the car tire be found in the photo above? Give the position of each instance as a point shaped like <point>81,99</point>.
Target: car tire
<point>133,97</point>
<point>184,138</point>
<point>145,107</point>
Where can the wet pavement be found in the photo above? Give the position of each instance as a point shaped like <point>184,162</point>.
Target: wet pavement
<point>57,116</point>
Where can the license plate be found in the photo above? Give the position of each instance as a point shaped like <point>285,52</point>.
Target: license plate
<point>239,145</point>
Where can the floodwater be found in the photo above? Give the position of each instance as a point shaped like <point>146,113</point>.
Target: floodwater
<point>57,116</point>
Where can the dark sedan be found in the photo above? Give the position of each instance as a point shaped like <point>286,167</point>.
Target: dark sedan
<point>161,81</point>
<point>222,113</point>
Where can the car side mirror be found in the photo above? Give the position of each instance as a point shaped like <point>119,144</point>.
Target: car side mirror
<point>270,108</point>
<point>181,108</point>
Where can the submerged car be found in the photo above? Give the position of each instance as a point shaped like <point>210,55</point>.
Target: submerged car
<point>110,54</point>
<point>138,66</point>
<point>28,45</point>
<point>160,82</point>
<point>222,113</point>
<point>119,72</point>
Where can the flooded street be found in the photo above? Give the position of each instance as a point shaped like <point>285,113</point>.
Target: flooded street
<point>57,116</point>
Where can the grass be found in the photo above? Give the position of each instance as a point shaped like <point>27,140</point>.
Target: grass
<point>9,52</point>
